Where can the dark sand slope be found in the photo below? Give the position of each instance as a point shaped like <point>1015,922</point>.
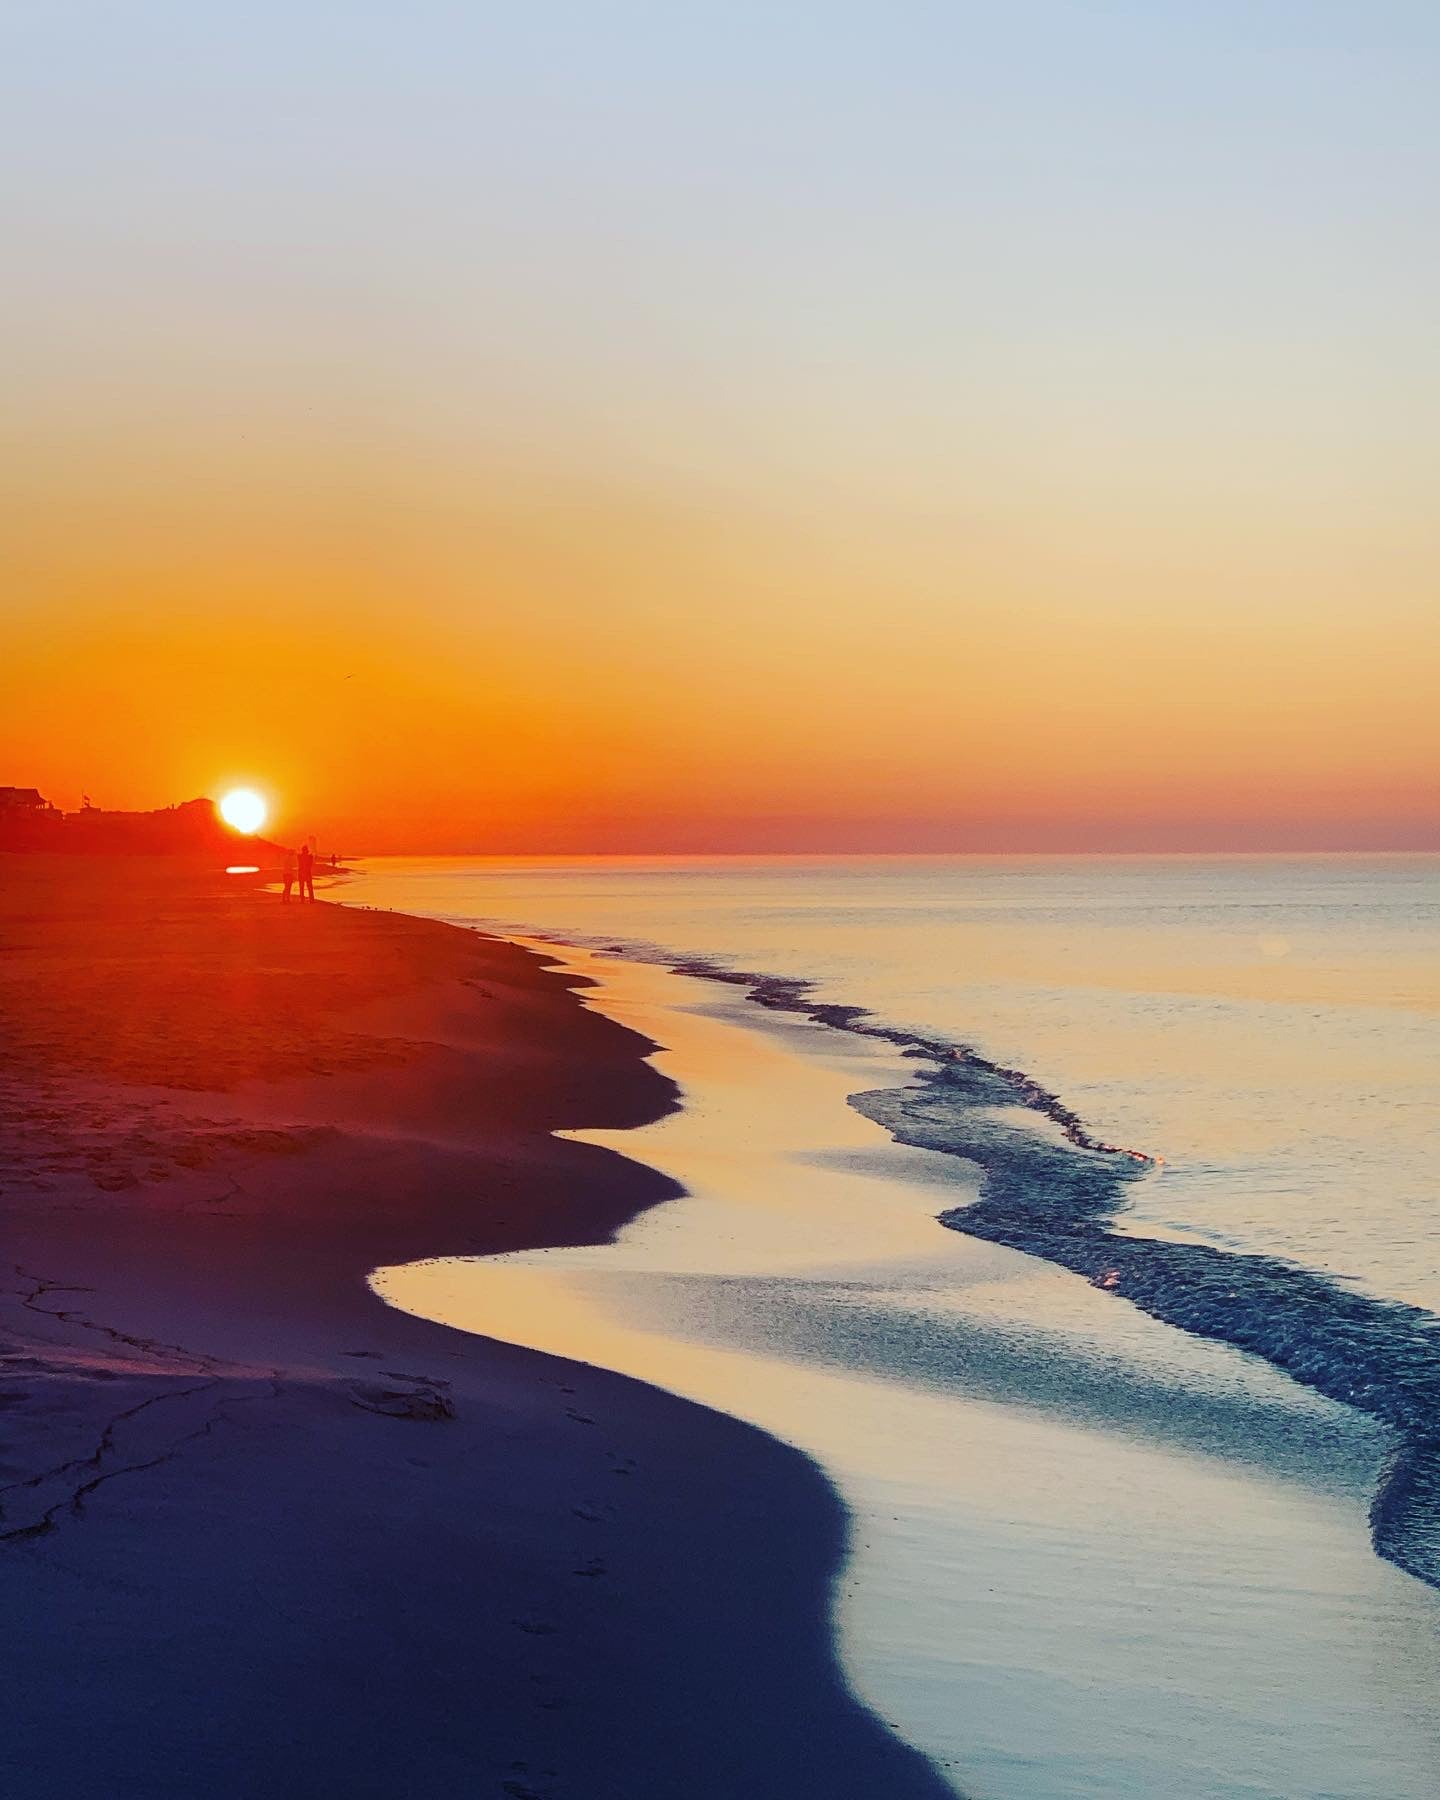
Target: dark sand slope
<point>264,1536</point>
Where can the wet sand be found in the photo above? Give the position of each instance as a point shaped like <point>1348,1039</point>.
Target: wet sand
<point>1094,1558</point>
<point>261,1533</point>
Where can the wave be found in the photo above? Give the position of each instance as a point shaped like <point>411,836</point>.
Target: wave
<point>1057,1196</point>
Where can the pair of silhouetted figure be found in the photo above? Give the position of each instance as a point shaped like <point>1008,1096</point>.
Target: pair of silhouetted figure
<point>303,864</point>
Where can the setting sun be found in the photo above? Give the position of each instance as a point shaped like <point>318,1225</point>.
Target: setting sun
<point>243,810</point>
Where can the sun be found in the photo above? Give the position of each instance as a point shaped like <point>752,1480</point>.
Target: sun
<point>243,810</point>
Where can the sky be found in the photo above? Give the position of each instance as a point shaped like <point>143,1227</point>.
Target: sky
<point>759,426</point>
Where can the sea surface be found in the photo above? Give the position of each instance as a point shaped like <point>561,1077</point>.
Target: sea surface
<point>1115,1324</point>
<point>1270,1027</point>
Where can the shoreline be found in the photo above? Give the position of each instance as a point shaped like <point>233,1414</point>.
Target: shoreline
<point>1067,1516</point>
<point>283,1538</point>
<point>1065,1204</point>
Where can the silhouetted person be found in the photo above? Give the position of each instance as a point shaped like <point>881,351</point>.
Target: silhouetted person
<point>289,872</point>
<point>307,872</point>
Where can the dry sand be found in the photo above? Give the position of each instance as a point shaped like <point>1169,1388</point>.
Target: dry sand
<point>263,1535</point>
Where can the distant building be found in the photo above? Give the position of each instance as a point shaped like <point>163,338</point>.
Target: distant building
<point>27,820</point>
<point>25,801</point>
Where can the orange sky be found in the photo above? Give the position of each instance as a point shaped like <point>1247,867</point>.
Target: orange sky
<point>553,669</point>
<point>672,488</point>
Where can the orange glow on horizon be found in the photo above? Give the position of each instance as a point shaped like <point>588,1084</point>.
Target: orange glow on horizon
<point>848,723</point>
<point>726,451</point>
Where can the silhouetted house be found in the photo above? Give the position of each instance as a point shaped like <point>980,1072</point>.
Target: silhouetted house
<point>25,802</point>
<point>27,820</point>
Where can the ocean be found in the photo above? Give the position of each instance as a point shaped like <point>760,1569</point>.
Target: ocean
<point>1268,1026</point>
<point>1193,1096</point>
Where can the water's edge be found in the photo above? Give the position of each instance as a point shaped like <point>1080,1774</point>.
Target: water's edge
<point>1056,1196</point>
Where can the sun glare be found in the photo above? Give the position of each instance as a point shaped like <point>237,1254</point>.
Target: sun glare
<point>243,810</point>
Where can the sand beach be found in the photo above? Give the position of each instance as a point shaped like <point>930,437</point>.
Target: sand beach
<point>1091,1557</point>
<point>265,1534</point>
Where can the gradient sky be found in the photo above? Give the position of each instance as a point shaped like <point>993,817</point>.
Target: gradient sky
<point>699,426</point>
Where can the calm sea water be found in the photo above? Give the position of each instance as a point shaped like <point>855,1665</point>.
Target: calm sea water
<point>1269,1027</point>
<point>1092,1556</point>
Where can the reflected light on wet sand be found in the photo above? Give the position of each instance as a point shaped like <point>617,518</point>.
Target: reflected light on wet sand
<point>1091,1556</point>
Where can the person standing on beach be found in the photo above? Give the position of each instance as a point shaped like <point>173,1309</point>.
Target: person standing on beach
<point>307,872</point>
<point>288,869</point>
